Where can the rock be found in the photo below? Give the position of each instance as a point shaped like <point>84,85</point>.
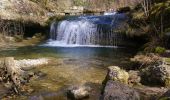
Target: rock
<point>150,93</point>
<point>156,74</point>
<point>27,64</point>
<point>134,77</point>
<point>79,92</point>
<point>115,90</point>
<point>116,74</point>
<point>165,96</point>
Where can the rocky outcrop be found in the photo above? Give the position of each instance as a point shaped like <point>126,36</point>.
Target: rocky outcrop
<point>156,74</point>
<point>153,69</point>
<point>116,74</point>
<point>115,85</point>
<point>115,90</point>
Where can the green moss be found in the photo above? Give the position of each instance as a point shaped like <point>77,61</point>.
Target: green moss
<point>160,50</point>
<point>167,60</point>
<point>167,82</point>
<point>164,98</point>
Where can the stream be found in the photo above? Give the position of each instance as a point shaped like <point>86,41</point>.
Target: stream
<point>69,66</point>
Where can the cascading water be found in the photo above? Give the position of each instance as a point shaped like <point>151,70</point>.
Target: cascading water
<point>87,31</point>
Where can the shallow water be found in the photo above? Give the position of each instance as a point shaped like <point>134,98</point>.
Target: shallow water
<point>70,66</point>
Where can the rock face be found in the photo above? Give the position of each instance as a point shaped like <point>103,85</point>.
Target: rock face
<point>153,69</point>
<point>156,74</point>
<point>115,90</point>
<point>79,92</point>
<point>116,74</point>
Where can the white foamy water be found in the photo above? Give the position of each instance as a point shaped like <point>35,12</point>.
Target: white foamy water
<point>51,43</point>
<point>110,13</point>
<point>86,31</point>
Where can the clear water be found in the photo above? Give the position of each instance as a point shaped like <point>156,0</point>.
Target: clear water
<point>70,66</point>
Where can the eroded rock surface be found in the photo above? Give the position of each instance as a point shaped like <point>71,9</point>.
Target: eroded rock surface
<point>115,90</point>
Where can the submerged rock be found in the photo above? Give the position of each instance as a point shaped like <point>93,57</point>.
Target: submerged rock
<point>78,92</point>
<point>115,90</point>
<point>116,74</point>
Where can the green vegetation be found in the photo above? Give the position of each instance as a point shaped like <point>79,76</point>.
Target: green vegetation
<point>160,50</point>
<point>153,22</point>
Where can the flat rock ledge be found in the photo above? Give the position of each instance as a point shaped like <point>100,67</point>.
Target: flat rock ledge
<point>26,63</point>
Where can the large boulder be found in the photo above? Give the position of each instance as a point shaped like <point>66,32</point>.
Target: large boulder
<point>115,90</point>
<point>156,74</point>
<point>153,69</point>
<point>116,74</point>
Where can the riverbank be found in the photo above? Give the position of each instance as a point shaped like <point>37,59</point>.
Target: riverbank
<point>11,43</point>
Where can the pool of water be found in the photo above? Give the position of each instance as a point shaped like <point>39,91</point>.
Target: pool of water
<point>70,66</point>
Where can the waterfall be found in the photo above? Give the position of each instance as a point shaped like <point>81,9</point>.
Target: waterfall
<point>86,31</point>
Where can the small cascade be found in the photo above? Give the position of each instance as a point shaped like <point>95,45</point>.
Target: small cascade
<point>87,31</point>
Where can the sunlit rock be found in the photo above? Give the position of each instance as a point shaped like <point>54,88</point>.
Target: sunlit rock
<point>79,92</point>
<point>117,74</point>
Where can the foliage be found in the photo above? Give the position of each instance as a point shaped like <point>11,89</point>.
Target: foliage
<point>160,50</point>
<point>80,3</point>
<point>152,17</point>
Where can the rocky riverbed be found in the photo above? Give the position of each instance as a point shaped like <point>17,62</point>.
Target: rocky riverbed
<point>58,77</point>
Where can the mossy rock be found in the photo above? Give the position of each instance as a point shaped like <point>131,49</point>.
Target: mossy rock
<point>116,74</point>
